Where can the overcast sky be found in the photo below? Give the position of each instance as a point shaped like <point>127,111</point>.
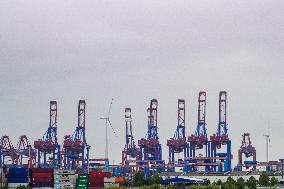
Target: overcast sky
<point>134,51</point>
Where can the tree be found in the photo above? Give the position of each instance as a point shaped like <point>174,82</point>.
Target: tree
<point>230,180</point>
<point>229,184</point>
<point>139,178</point>
<point>251,183</point>
<point>241,183</point>
<point>219,182</point>
<point>264,179</point>
<point>155,179</point>
<point>273,181</point>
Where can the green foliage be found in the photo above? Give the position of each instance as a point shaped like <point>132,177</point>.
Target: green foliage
<point>273,181</point>
<point>219,182</point>
<point>21,187</point>
<point>264,179</point>
<point>241,183</point>
<point>207,182</point>
<point>251,183</point>
<point>139,179</point>
<point>155,186</point>
<point>4,187</point>
<point>155,179</point>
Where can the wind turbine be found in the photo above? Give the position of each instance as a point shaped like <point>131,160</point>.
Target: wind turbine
<point>107,122</point>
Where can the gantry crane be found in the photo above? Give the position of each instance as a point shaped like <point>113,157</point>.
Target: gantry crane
<point>48,148</point>
<point>178,143</point>
<point>221,160</point>
<point>199,141</point>
<point>130,154</point>
<point>75,147</point>
<point>25,150</point>
<point>150,145</point>
<point>249,151</point>
<point>7,150</point>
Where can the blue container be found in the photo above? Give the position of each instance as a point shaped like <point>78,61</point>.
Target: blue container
<point>18,180</point>
<point>42,184</point>
<point>18,170</point>
<point>17,175</point>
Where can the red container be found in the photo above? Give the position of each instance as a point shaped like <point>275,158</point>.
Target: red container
<point>42,175</point>
<point>96,182</point>
<point>41,170</point>
<point>42,179</point>
<point>99,174</point>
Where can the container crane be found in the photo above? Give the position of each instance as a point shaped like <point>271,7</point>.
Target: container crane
<point>178,144</point>
<point>75,146</point>
<point>150,146</point>
<point>7,150</point>
<point>221,139</point>
<point>48,147</point>
<point>25,150</point>
<point>130,152</point>
<point>248,151</point>
<point>199,140</point>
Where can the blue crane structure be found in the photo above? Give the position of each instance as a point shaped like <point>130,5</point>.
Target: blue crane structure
<point>220,142</point>
<point>75,148</point>
<point>178,144</point>
<point>199,141</point>
<point>130,154</point>
<point>150,146</point>
<point>48,148</point>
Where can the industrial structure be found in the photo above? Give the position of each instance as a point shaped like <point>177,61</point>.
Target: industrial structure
<point>220,142</point>
<point>48,149</point>
<point>248,151</point>
<point>196,152</point>
<point>150,146</point>
<point>8,153</point>
<point>178,144</point>
<point>26,151</point>
<point>75,147</point>
<point>130,154</point>
<point>199,146</point>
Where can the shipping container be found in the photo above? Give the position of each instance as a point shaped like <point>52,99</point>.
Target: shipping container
<point>41,170</point>
<point>42,175</point>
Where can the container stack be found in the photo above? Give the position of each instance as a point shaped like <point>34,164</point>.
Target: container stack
<point>42,178</point>
<point>82,181</point>
<point>18,176</point>
<point>96,179</point>
<point>64,179</point>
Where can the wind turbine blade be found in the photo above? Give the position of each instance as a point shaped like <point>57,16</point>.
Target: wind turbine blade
<point>112,128</point>
<point>109,109</point>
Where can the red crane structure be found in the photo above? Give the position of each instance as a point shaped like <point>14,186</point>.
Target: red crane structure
<point>7,150</point>
<point>25,151</point>
<point>130,154</point>
<point>249,151</point>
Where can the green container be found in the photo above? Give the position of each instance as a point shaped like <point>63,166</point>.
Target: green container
<point>83,176</point>
<point>82,187</point>
<point>82,180</point>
